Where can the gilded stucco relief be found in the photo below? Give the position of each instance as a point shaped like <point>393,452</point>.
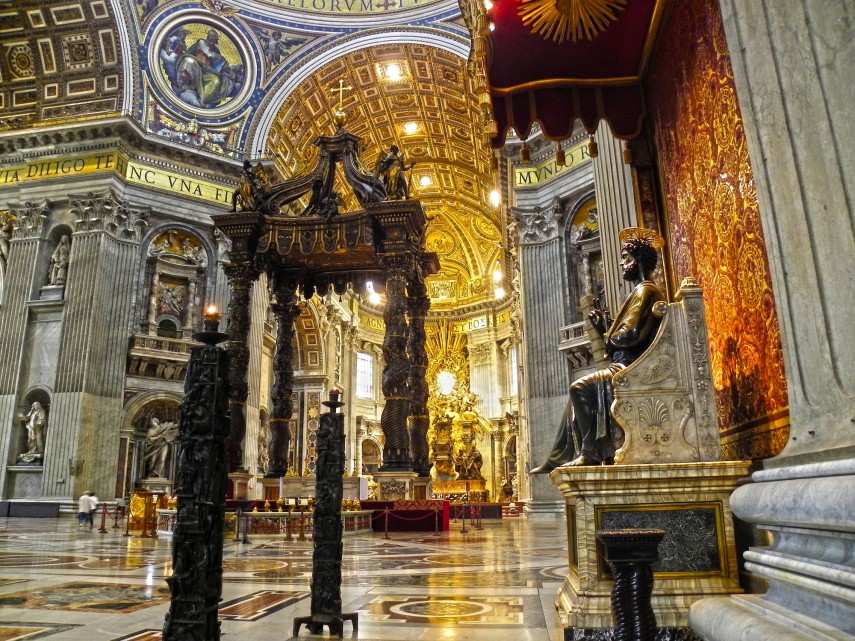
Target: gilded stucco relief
<point>714,225</point>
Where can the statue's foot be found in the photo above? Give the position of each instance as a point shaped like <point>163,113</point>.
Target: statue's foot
<point>581,460</point>
<point>546,468</point>
<point>608,461</point>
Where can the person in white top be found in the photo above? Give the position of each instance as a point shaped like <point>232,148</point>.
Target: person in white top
<point>86,505</point>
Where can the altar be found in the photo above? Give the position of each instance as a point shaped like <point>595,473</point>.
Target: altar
<point>409,516</point>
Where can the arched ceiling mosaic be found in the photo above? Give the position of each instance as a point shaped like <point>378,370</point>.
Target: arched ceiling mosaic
<point>423,108</point>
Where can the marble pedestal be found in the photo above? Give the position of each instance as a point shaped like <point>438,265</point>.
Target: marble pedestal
<point>395,486</point>
<point>294,486</point>
<point>240,485</point>
<point>690,501</point>
<point>157,485</point>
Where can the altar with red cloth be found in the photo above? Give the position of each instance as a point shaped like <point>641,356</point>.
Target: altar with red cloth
<point>409,516</point>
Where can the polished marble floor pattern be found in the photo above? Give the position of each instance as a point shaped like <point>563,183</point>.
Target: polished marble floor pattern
<point>497,583</point>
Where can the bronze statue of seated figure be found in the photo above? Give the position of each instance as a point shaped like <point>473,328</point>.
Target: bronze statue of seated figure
<point>588,435</point>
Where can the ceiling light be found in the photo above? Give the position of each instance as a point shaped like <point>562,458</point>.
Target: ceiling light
<point>495,198</point>
<point>425,181</point>
<point>410,128</point>
<point>497,272</point>
<point>393,71</point>
<point>500,292</point>
<point>492,27</point>
<point>488,4</point>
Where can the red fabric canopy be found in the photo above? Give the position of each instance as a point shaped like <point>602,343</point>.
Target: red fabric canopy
<point>537,80</point>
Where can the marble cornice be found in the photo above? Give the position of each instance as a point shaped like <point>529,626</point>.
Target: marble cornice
<point>122,135</point>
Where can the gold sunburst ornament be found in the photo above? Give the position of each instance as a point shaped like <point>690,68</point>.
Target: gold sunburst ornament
<point>563,20</point>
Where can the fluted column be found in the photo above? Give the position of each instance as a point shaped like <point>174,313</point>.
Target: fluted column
<point>614,189</point>
<point>241,277</point>
<point>546,381</point>
<point>281,434</point>
<point>17,287</point>
<point>87,407</point>
<point>418,304</point>
<point>396,450</point>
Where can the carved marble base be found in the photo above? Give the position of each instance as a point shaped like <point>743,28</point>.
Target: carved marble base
<point>294,486</point>
<point>690,501</point>
<point>240,485</point>
<point>30,458</point>
<point>395,486</point>
<point>157,485</point>
<point>354,487</point>
<point>608,634</point>
<point>51,292</point>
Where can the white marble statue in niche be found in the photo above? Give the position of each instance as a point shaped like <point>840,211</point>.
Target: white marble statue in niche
<point>159,439</point>
<point>59,262</point>
<point>35,421</point>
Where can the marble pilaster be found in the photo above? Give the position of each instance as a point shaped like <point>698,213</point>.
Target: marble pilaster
<point>546,380</point>
<point>794,68</point>
<point>613,187</point>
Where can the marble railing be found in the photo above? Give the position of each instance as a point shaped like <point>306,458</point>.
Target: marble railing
<point>158,356</point>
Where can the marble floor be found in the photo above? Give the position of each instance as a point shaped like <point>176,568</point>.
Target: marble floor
<point>494,584</point>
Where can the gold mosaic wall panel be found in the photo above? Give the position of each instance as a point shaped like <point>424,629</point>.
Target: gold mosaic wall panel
<point>714,224</point>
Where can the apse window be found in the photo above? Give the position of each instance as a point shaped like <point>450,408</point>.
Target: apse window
<point>445,381</point>
<point>364,375</point>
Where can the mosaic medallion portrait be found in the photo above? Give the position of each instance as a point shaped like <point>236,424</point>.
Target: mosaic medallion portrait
<point>201,65</point>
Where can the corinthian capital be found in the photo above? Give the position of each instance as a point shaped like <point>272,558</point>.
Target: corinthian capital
<point>106,212</point>
<point>537,225</point>
<point>29,219</point>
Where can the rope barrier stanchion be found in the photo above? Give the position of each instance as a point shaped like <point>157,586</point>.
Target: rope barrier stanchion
<point>478,525</point>
<point>288,536</point>
<point>386,526</point>
<point>436,520</point>
<point>103,528</point>
<point>127,523</point>
<point>302,536</point>
<point>245,538</point>
<point>115,519</point>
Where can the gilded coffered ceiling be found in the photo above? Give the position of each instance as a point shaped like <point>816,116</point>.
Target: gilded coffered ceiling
<point>59,62</point>
<point>425,109</point>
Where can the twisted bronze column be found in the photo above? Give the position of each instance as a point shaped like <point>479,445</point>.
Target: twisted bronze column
<point>418,304</point>
<point>241,277</point>
<point>631,555</point>
<point>393,420</point>
<point>281,436</point>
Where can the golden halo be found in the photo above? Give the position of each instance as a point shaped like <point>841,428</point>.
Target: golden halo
<point>561,20</point>
<point>640,233</point>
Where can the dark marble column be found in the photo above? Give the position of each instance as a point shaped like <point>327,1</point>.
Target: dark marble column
<point>281,434</point>
<point>631,555</point>
<point>328,548</point>
<point>418,304</point>
<point>241,277</point>
<point>396,372</point>
<point>196,584</point>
